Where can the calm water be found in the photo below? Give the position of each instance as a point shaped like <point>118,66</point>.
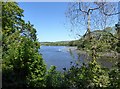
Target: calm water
<point>62,56</point>
<point>58,56</point>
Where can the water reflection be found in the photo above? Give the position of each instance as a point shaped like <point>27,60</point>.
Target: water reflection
<point>65,57</point>
<point>58,56</point>
<point>105,60</point>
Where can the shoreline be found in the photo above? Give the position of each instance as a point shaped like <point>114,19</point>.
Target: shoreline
<point>101,54</point>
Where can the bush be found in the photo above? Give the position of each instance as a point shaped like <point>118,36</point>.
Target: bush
<point>90,76</point>
<point>54,79</point>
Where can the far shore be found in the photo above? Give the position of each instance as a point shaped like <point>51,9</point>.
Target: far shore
<point>107,54</point>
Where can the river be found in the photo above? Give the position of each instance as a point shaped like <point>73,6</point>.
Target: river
<point>63,56</point>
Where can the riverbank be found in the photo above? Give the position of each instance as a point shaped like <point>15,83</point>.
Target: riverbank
<point>112,54</point>
<point>71,48</point>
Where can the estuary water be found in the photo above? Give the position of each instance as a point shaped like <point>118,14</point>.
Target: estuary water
<point>58,56</point>
<point>65,57</point>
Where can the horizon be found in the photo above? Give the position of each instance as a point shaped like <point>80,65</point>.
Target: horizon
<point>60,41</point>
<point>48,19</point>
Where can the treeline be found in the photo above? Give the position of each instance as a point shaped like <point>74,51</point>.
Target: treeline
<point>60,43</point>
<point>105,40</point>
<point>23,66</point>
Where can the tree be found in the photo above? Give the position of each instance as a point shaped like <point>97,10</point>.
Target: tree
<point>22,64</point>
<point>90,76</point>
<point>115,73</point>
<point>91,15</point>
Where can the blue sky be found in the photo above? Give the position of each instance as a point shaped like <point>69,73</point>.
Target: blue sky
<point>50,22</point>
<point>48,19</point>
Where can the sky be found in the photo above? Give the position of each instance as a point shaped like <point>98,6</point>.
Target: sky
<point>49,20</point>
<point>51,23</point>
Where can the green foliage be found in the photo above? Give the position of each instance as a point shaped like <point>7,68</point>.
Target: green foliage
<point>104,40</point>
<point>90,76</point>
<point>118,47</point>
<point>61,43</point>
<point>73,43</point>
<point>54,79</point>
<point>22,65</point>
<point>115,73</point>
<point>114,78</point>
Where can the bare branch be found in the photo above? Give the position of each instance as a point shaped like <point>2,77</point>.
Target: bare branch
<point>111,14</point>
<point>81,9</point>
<point>98,14</point>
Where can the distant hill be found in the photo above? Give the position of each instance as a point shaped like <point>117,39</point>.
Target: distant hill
<point>97,34</point>
<point>58,43</point>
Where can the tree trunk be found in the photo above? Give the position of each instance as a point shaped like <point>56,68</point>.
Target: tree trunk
<point>118,44</point>
<point>88,26</point>
<point>118,32</point>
